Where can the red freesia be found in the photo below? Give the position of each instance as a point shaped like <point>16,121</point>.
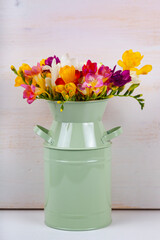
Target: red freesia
<point>59,81</point>
<point>89,68</point>
<point>78,75</point>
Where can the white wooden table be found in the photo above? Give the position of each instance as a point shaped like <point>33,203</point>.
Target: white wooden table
<point>126,225</point>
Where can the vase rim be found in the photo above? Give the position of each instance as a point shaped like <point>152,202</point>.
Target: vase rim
<point>76,102</point>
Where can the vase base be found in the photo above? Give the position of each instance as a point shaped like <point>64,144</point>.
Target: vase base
<point>77,224</point>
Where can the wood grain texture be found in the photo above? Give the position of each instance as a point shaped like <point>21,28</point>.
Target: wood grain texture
<point>99,30</point>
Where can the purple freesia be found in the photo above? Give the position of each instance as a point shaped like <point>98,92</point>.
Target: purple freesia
<point>49,60</point>
<point>120,78</point>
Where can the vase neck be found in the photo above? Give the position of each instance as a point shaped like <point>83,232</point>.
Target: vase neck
<point>77,112</point>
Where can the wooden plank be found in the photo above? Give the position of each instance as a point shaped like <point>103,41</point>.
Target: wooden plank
<point>101,31</point>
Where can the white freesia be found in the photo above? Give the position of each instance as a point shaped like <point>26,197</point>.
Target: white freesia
<point>48,82</point>
<point>66,60</point>
<point>134,77</point>
<point>54,72</point>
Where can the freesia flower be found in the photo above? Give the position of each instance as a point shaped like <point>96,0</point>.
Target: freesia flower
<point>92,80</point>
<point>54,71</point>
<point>29,93</point>
<point>120,78</point>
<point>49,60</point>
<point>67,73</point>
<point>68,90</point>
<point>66,60</point>
<point>41,83</point>
<point>89,68</point>
<point>92,83</point>
<point>78,75</point>
<point>106,72</point>
<point>34,71</point>
<point>59,81</point>
<point>131,60</point>
<point>42,62</point>
<point>19,81</point>
<point>134,77</point>
<point>24,67</point>
<point>71,89</point>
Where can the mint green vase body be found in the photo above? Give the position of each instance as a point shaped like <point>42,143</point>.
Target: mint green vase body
<point>77,160</point>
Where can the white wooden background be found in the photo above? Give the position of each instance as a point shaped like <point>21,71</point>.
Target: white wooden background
<point>100,30</point>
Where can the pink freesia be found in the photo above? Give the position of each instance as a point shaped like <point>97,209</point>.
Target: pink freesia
<point>34,71</point>
<point>106,72</point>
<point>29,93</point>
<point>92,81</point>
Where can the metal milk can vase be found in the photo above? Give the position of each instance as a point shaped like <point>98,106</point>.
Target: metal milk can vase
<point>77,160</point>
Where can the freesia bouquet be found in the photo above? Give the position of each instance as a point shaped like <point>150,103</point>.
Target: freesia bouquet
<point>67,80</point>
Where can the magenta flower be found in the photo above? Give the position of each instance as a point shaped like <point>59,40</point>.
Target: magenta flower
<point>106,73</point>
<point>34,70</point>
<point>29,93</point>
<point>89,68</point>
<point>120,78</point>
<point>92,82</point>
<point>49,60</point>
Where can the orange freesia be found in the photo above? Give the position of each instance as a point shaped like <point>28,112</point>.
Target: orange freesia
<point>67,73</point>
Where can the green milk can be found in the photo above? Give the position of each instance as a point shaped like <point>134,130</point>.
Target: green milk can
<point>77,162</point>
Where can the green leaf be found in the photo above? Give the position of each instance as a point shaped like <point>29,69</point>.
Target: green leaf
<point>22,76</point>
<point>131,89</point>
<point>120,89</point>
<point>140,99</point>
<point>137,96</point>
<point>102,93</point>
<point>94,96</point>
<point>142,105</point>
<point>133,86</point>
<point>125,94</point>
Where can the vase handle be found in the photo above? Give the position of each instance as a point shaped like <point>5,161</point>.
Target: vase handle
<point>112,133</point>
<point>43,133</point>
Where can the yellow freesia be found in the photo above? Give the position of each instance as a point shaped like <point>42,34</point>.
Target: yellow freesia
<point>48,74</point>
<point>144,70</point>
<point>18,81</point>
<point>42,62</point>
<point>41,82</point>
<point>67,73</point>
<point>68,90</point>
<point>131,60</point>
<point>60,88</point>
<point>24,67</point>
<point>71,89</point>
